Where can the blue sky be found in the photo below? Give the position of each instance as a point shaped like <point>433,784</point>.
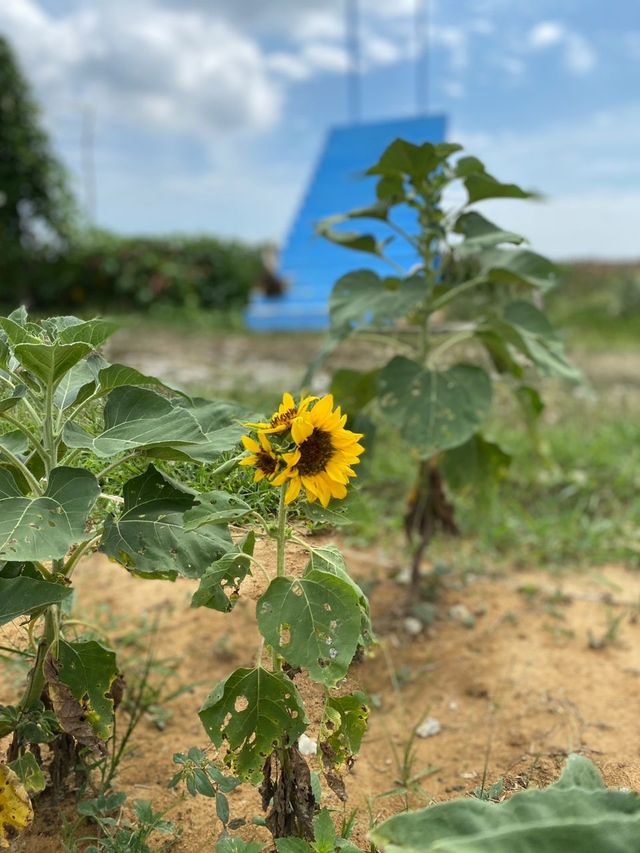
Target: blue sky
<point>208,115</point>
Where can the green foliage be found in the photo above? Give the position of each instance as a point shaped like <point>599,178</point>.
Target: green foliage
<point>250,710</point>
<point>102,271</point>
<point>577,813</point>
<point>33,185</point>
<point>201,776</point>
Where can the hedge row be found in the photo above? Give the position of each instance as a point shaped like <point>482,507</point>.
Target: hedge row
<point>104,271</point>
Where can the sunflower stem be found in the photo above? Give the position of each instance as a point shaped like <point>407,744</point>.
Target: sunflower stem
<point>282,531</point>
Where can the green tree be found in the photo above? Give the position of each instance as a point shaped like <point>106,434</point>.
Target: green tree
<point>36,206</point>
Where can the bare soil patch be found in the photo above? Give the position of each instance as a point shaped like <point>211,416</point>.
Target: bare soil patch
<point>513,692</point>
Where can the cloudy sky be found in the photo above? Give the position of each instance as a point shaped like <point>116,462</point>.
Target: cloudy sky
<point>207,115</point>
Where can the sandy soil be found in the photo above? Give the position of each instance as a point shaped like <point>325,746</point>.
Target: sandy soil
<point>513,692</point>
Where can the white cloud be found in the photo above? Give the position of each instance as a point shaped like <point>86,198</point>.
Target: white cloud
<point>453,88</point>
<point>578,55</point>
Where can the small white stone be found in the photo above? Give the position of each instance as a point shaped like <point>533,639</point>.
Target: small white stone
<point>413,626</point>
<point>403,577</point>
<point>459,612</point>
<point>307,745</point>
<point>429,727</point>
<point>453,706</point>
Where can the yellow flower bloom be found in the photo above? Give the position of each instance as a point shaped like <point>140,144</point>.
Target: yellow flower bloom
<point>321,462</point>
<point>289,416</point>
<point>262,457</point>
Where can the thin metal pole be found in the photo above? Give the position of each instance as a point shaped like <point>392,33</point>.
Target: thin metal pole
<point>354,95</point>
<point>421,36</point>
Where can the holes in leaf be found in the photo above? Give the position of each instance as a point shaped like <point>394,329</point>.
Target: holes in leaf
<point>297,589</point>
<point>323,663</point>
<point>227,720</point>
<point>333,624</point>
<point>241,703</point>
<point>285,635</point>
<point>327,606</point>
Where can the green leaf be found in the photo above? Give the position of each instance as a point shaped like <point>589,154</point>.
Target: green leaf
<point>293,845</point>
<point>216,508</point>
<point>475,464</point>
<point>362,298</point>
<point>329,559</point>
<point>89,669</point>
<point>481,185</point>
<point>24,595</point>
<point>233,844</point>
<point>313,622</point>
<point>29,773</point>
<point>529,330</point>
<point>434,410</point>
<point>94,332</point>
<point>480,233</point>
<point>16,332</point>
<point>113,376</point>
<point>73,383</point>
<point>149,537</point>
<point>324,832</point>
<point>44,528</point>
<point>378,210</point>
<point>9,402</point>
<point>405,158</point>
<point>354,388</point>
<point>353,240</point>
<point>251,711</point>
<point>220,584</point>
<point>49,362</point>
<point>466,166</point>
<point>578,814</point>
<point>518,266</point>
<point>136,418</point>
<point>344,726</point>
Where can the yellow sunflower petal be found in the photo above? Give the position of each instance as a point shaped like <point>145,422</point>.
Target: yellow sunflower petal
<point>250,444</point>
<point>301,429</point>
<point>249,460</point>
<point>293,490</point>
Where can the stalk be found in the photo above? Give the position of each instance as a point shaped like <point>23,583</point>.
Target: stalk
<point>281,535</point>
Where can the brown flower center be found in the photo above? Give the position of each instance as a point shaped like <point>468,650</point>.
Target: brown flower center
<point>315,452</point>
<point>266,462</point>
<point>284,418</point>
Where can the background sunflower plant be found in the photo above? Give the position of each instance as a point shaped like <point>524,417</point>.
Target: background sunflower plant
<point>464,320</point>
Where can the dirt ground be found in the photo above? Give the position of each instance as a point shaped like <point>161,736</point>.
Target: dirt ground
<point>507,667</point>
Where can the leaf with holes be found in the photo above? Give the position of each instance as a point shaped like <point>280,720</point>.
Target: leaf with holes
<point>216,508</point>
<point>344,725</point>
<point>251,711</point>
<point>137,418</point>
<point>45,527</point>
<point>24,595</point>
<point>220,585</point>
<point>313,622</point>
<point>150,539</point>
<point>328,558</point>
<point>434,410</point>
<point>577,814</point>
<point>16,812</point>
<point>89,670</point>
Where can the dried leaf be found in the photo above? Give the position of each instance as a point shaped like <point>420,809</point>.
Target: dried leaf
<point>16,812</point>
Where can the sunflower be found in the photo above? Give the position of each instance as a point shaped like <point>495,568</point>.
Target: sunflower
<point>290,416</point>
<point>322,459</point>
<point>262,456</point>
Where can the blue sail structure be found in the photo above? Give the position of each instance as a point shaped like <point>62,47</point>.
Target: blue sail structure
<point>309,264</point>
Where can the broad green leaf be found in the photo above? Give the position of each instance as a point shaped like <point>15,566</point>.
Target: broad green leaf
<point>313,622</point>
<point>353,240</point>
<point>16,332</point>
<point>89,669</point>
<point>19,315</point>
<point>466,166</point>
<point>215,508</point>
<point>72,384</point>
<point>136,418</point>
<point>344,726</point>
<point>29,772</point>
<point>480,232</point>
<point>328,558</point>
<point>220,584</point>
<point>405,158</point>
<point>578,815</point>
<point>324,832</point>
<point>390,189</point>
<point>481,185</point>
<point>10,402</point>
<point>354,388</point>
<point>527,329</point>
<point>16,442</point>
<point>235,844</point>
<point>44,528</point>
<point>149,537</point>
<point>113,376</point>
<point>377,210</point>
<point>434,410</point>
<point>475,464</point>
<point>530,401</point>
<point>94,332</point>
<point>16,812</point>
<point>49,362</point>
<point>518,266</point>
<point>251,711</point>
<point>24,595</point>
<point>363,298</point>
<point>293,845</point>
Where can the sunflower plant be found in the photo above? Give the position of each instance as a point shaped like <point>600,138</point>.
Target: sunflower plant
<point>311,622</point>
<point>462,316</point>
<point>85,447</point>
